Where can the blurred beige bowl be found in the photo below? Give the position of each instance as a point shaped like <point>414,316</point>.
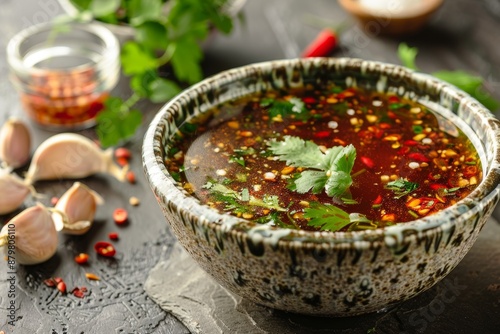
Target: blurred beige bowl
<point>394,18</point>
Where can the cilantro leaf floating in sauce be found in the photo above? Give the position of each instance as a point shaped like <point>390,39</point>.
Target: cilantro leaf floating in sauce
<point>332,168</point>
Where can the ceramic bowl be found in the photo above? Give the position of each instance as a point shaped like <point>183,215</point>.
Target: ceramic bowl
<point>324,273</point>
<point>390,17</point>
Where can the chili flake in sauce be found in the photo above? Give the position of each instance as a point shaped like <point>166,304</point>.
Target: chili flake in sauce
<point>325,159</point>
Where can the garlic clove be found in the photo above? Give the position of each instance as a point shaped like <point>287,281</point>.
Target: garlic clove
<point>78,204</point>
<point>71,156</point>
<point>13,191</point>
<point>15,143</point>
<point>32,233</point>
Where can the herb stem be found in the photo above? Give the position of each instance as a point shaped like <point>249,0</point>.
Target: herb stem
<point>133,99</point>
<point>359,172</point>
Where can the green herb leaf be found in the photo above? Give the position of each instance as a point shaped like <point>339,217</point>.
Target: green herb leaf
<point>298,152</point>
<point>326,217</point>
<point>407,55</point>
<point>136,60</point>
<point>401,187</point>
<point>185,60</point>
<point>140,11</point>
<point>233,198</point>
<point>332,170</point>
<point>115,123</point>
<point>104,8</point>
<point>471,84</point>
<point>294,107</point>
<point>162,90</point>
<point>152,35</point>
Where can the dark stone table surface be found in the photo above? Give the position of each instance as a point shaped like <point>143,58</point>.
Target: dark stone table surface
<point>463,34</point>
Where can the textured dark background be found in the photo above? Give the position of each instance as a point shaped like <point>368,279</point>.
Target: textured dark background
<point>462,35</point>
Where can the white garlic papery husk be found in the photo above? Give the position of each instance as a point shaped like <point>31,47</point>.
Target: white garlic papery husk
<point>78,204</point>
<point>15,143</point>
<point>13,191</point>
<point>31,236</point>
<point>71,156</point>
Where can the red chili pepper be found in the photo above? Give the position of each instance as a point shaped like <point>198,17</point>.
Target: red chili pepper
<point>82,258</point>
<point>324,43</point>
<point>105,249</point>
<point>367,162</point>
<point>322,134</point>
<point>120,216</point>
<point>418,157</point>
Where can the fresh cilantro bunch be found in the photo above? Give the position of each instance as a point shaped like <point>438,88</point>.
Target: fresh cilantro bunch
<point>473,85</point>
<point>159,38</point>
<point>331,171</point>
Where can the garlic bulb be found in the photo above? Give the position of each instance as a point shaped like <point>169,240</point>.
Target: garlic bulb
<point>31,236</point>
<point>78,204</point>
<point>15,143</point>
<point>71,156</point>
<point>13,191</point>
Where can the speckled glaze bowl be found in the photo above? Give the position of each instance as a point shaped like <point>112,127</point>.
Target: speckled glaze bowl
<point>325,273</point>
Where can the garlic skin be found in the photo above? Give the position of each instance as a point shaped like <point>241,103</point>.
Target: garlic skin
<point>13,191</point>
<point>35,236</point>
<point>15,143</point>
<point>71,156</point>
<point>78,204</point>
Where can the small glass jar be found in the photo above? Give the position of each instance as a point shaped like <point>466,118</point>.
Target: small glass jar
<point>64,72</point>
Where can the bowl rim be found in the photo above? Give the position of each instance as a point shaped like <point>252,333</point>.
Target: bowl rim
<point>164,188</point>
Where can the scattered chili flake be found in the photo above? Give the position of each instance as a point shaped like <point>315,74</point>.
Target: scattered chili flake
<point>92,277</point>
<point>134,201</point>
<point>82,258</point>
<point>104,248</point>
<point>436,186</point>
<point>469,170</point>
<point>410,142</point>
<point>113,236</point>
<point>77,292</point>
<point>50,282</point>
<point>120,216</point>
<point>367,162</point>
<point>61,286</point>
<point>122,161</point>
<point>377,200</point>
<point>123,153</point>
<point>130,176</point>
<point>322,134</point>
<point>418,157</point>
<point>54,200</point>
<point>309,100</point>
